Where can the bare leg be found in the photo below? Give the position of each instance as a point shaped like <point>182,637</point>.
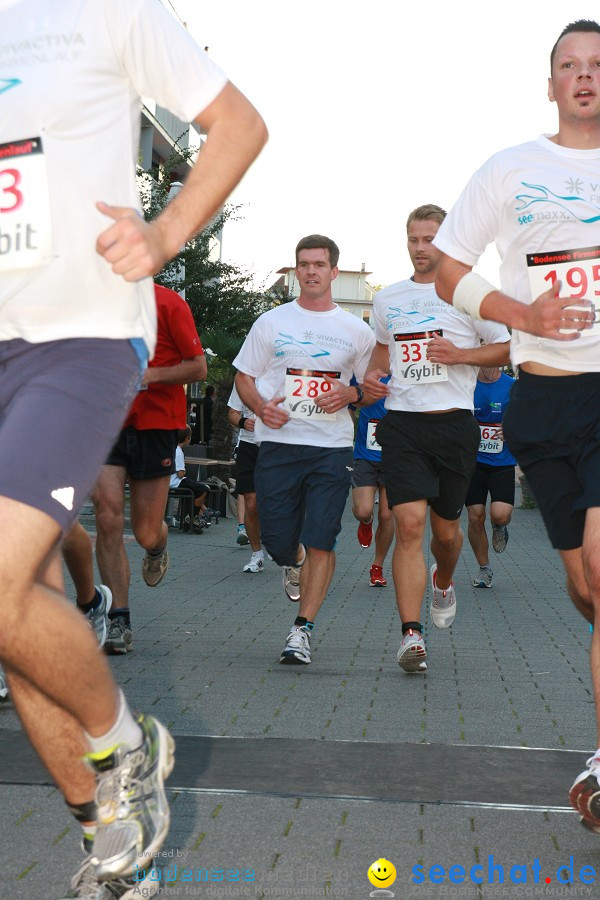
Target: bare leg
<point>384,534</point>
<point>500,513</point>
<point>315,578</point>
<point>363,503</point>
<point>477,535</point>
<point>44,640</point>
<point>446,544</point>
<point>252,521</point>
<point>78,556</point>
<point>109,501</point>
<point>408,564</point>
<point>148,501</point>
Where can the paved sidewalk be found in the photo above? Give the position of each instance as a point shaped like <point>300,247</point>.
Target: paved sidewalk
<point>291,781</point>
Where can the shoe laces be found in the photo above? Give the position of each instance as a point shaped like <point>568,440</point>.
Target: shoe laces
<point>120,787</point>
<point>297,638</point>
<point>84,884</point>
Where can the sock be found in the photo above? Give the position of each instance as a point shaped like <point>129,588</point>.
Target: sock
<point>301,622</point>
<point>122,611</point>
<point>89,833</point>
<point>124,731</point>
<point>258,554</point>
<point>154,554</point>
<point>486,568</point>
<point>93,604</point>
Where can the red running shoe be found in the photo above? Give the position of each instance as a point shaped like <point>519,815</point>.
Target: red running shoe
<point>377,577</point>
<point>365,533</point>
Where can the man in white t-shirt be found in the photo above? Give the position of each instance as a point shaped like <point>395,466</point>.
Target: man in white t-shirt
<point>294,372</point>
<point>540,203</point>
<point>246,454</point>
<point>77,322</point>
<point>429,437</point>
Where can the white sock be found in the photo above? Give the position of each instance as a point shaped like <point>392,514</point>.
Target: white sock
<point>124,731</point>
<point>258,554</point>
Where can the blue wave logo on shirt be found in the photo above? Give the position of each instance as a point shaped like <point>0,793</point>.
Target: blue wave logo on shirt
<point>414,316</point>
<point>307,347</point>
<point>7,83</point>
<point>576,206</point>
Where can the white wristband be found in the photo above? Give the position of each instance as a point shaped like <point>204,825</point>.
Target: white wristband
<point>469,294</point>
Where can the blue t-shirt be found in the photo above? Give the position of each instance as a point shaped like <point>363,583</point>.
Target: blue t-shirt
<point>490,402</point>
<point>367,422</point>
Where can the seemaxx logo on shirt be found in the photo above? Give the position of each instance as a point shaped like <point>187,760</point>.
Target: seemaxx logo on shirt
<point>491,872</point>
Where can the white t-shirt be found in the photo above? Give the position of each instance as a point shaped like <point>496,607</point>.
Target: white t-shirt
<point>73,73</point>
<point>288,351</point>
<point>236,403</point>
<point>540,203</point>
<point>407,315</point>
<point>179,466</point>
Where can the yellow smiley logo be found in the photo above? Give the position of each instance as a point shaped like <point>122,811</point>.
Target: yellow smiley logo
<point>382,873</point>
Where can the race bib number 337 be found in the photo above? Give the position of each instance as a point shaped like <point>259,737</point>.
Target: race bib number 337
<point>412,364</point>
<point>302,387</point>
<point>25,224</point>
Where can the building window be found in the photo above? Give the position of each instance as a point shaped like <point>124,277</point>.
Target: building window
<point>366,316</point>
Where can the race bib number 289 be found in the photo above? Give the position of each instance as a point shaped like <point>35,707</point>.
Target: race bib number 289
<point>25,224</point>
<point>302,387</point>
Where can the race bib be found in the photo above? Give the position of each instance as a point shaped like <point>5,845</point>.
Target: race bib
<point>25,223</point>
<point>492,438</point>
<point>579,274</point>
<point>302,387</point>
<point>412,365</point>
<point>371,440</point>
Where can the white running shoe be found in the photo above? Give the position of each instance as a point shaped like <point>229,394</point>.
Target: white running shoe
<point>484,578</point>
<point>412,653</point>
<point>256,563</point>
<point>297,647</point>
<point>291,580</point>
<point>443,603</point>
<point>98,617</point>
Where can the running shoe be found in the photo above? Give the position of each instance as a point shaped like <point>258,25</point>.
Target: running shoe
<point>119,638</point>
<point>499,538</point>
<point>291,580</point>
<point>378,579</point>
<point>584,795</point>
<point>365,533</point>
<point>133,812</point>
<point>98,617</point>
<point>256,564</point>
<point>154,568</point>
<point>86,886</point>
<point>201,521</point>
<point>443,603</point>
<point>297,647</point>
<point>242,537</point>
<point>3,686</point>
<point>412,653</point>
<point>483,579</point>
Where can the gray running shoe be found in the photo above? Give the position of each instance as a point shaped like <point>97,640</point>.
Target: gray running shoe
<point>297,647</point>
<point>3,686</point>
<point>154,568</point>
<point>412,653</point>
<point>242,537</point>
<point>499,538</point>
<point>120,636</point>
<point>86,886</point>
<point>98,618</point>
<point>133,812</point>
<point>483,579</point>
<point>291,580</point>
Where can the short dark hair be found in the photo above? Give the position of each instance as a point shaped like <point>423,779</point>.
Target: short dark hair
<point>319,242</point>
<point>183,433</point>
<point>585,25</point>
<point>428,211</point>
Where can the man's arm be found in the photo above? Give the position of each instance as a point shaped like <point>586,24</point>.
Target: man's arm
<point>234,417</point>
<point>379,367</point>
<point>185,372</point>
<point>441,350</point>
<point>547,316</point>
<point>236,134</point>
<point>273,415</point>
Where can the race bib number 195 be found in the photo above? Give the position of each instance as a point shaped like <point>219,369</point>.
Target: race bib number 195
<point>577,270</point>
<point>412,364</point>
<point>302,387</point>
<point>25,224</point>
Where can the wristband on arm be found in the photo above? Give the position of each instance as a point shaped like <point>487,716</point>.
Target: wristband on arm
<point>242,422</point>
<point>469,294</point>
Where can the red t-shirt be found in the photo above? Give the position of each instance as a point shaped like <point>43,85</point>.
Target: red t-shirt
<point>164,405</point>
